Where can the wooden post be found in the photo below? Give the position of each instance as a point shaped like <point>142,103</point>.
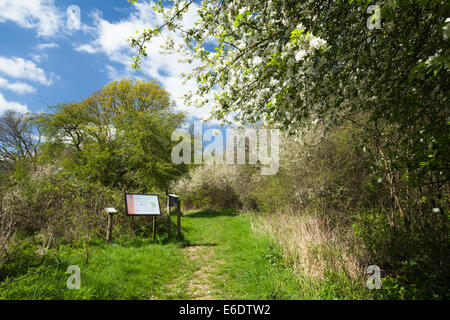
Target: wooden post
<point>154,227</point>
<point>110,212</point>
<point>168,217</point>
<point>109,230</point>
<point>179,217</point>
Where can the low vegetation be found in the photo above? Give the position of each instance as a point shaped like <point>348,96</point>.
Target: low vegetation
<point>332,216</point>
<point>242,265</point>
<point>60,170</point>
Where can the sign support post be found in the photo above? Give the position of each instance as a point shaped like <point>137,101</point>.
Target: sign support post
<point>168,216</point>
<point>154,227</point>
<point>179,218</point>
<point>109,231</point>
<point>110,212</point>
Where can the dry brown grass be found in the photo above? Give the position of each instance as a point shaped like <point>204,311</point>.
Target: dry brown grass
<point>310,245</point>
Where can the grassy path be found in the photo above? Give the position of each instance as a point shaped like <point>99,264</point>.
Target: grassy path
<point>220,258</point>
<point>229,261</point>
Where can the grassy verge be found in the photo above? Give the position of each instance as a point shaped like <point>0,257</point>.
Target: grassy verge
<point>326,266</point>
<point>220,256</point>
<point>115,272</point>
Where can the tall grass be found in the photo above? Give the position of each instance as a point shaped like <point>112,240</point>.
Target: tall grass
<point>313,248</point>
<point>327,264</point>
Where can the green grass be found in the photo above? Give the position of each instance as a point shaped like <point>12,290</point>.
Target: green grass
<point>112,273</point>
<point>248,266</point>
<point>244,265</point>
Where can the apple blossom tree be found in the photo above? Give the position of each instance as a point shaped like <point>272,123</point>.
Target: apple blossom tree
<point>289,64</point>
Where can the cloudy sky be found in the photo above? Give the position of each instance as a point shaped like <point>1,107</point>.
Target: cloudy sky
<point>47,58</point>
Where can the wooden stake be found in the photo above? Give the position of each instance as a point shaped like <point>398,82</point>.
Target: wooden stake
<point>109,230</point>
<point>154,227</point>
<point>179,218</point>
<point>168,217</point>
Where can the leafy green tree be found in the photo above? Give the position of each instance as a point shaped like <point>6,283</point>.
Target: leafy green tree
<point>120,136</point>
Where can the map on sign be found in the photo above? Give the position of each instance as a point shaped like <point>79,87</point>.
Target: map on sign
<point>142,204</point>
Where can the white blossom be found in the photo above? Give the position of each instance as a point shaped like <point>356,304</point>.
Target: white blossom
<point>446,29</point>
<point>257,60</point>
<point>242,10</point>
<point>317,43</point>
<point>300,55</point>
<point>249,72</point>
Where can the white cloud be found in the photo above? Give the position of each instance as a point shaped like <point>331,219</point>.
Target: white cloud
<point>86,48</point>
<point>114,74</point>
<point>110,39</point>
<point>36,57</point>
<point>17,87</point>
<point>41,15</point>
<point>16,67</point>
<point>5,105</point>
<point>49,45</point>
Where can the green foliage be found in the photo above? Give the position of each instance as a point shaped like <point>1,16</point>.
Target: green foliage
<point>413,256</point>
<point>323,172</point>
<point>330,176</point>
<point>317,62</point>
<point>54,193</point>
<point>120,137</point>
<point>44,209</point>
<point>209,186</point>
<point>112,273</point>
<point>410,283</point>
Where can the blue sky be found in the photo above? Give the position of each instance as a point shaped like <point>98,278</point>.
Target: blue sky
<point>44,62</point>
